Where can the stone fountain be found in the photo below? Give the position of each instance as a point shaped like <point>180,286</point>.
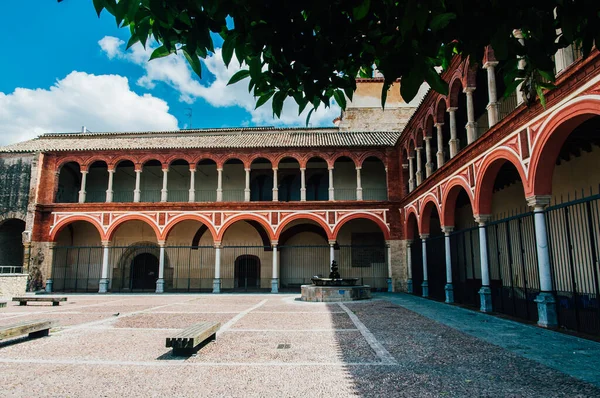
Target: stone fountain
<point>335,288</point>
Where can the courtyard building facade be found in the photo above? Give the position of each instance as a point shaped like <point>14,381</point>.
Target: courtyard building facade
<point>469,198</point>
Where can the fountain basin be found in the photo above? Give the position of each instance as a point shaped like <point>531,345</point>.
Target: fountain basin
<point>332,294</point>
<point>334,281</point>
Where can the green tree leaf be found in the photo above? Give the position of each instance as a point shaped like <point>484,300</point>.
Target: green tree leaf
<point>340,98</point>
<point>440,21</point>
<point>263,99</point>
<point>239,75</point>
<point>361,11</point>
<point>160,52</point>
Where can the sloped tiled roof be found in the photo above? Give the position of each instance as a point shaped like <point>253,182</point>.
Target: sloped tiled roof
<point>263,137</point>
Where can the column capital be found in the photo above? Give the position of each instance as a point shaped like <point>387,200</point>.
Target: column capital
<point>467,90</point>
<point>246,168</point>
<point>165,170</point>
<point>482,219</point>
<point>419,148</point>
<point>192,168</point>
<point>274,243</point>
<point>329,167</point>
<point>302,168</point>
<point>424,236</point>
<point>83,171</point>
<point>539,202</point>
<point>358,168</point>
<point>409,242</point>
<point>162,243</point>
<point>220,169</point>
<point>438,125</point>
<point>137,170</point>
<point>217,245</point>
<point>451,109</point>
<point>274,168</point>
<point>490,64</point>
<point>411,157</point>
<point>106,243</point>
<point>426,138</point>
<point>111,170</point>
<point>447,229</point>
<point>332,242</point>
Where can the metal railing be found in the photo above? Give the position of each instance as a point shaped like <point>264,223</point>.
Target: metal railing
<point>344,193</point>
<point>375,194</point>
<point>150,195</point>
<point>506,105</point>
<point>95,196</point>
<point>233,195</point>
<point>123,196</point>
<point>192,268</point>
<point>178,195</point>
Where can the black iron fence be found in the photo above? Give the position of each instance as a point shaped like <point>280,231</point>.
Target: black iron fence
<point>573,238</point>
<point>466,266</point>
<point>135,268</point>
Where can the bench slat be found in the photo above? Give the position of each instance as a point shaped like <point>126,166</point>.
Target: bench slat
<point>194,335</point>
<point>22,328</point>
<point>47,299</point>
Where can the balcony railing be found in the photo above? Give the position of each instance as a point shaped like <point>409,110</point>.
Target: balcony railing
<point>11,269</point>
<point>233,195</point>
<point>345,193</point>
<point>150,196</point>
<point>506,105</point>
<point>178,195</point>
<point>375,194</point>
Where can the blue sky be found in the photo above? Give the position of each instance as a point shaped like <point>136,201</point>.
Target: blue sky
<point>63,67</point>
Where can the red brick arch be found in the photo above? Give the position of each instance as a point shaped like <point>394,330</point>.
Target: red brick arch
<point>75,159</point>
<point>372,154</point>
<point>275,162</point>
<point>304,216</point>
<point>486,177</point>
<point>411,213</point>
<point>184,217</point>
<point>449,196</point>
<point>552,136</point>
<point>69,220</point>
<point>349,155</point>
<point>132,217</point>
<point>427,206</point>
<point>365,216</point>
<point>440,109</point>
<point>115,161</point>
<point>145,159</point>
<point>245,217</point>
<point>179,156</point>
<point>455,89</point>
<point>90,161</point>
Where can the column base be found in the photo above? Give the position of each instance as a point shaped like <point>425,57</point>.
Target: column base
<point>216,286</point>
<point>425,287</point>
<point>449,293</point>
<point>485,296</point>
<point>546,305</point>
<point>302,194</point>
<point>390,285</point>
<point>454,147</point>
<point>409,286</point>
<point>275,285</point>
<point>103,286</point>
<point>331,194</point>
<point>49,284</point>
<point>160,286</point>
<point>359,194</point>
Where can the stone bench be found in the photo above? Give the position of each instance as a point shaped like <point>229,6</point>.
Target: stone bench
<point>187,341</point>
<point>54,300</point>
<point>35,329</point>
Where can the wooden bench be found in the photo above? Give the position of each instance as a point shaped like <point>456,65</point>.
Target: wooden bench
<point>2,304</point>
<point>35,329</point>
<point>53,300</point>
<point>187,341</point>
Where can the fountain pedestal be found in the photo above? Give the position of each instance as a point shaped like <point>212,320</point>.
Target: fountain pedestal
<point>332,294</point>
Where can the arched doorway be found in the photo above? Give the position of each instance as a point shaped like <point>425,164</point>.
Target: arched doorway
<point>69,183</point>
<point>144,272</point>
<point>247,272</point>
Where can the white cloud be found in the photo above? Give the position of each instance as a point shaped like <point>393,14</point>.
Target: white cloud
<point>102,103</point>
<point>175,72</point>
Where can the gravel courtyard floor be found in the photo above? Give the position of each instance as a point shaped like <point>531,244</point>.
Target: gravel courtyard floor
<point>394,345</point>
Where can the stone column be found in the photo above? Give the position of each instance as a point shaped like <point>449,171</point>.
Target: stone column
<point>275,185</point>
<point>485,293</point>
<point>492,106</point>
<point>164,194</point>
<point>428,157</point>
<point>409,282</point>
<point>219,185</point>
<point>192,195</point>
<point>471,125</point>
<point>275,274</point>
<point>303,184</point>
<point>419,169</point>
<point>440,144</point>
<point>546,303</point>
<point>331,252</point>
<point>109,190</point>
<point>448,288</point>
<point>217,280</point>
<point>331,190</point>
<point>103,285</point>
<point>359,192</point>
<point>26,255</point>
<point>247,188</point>
<point>50,282</point>
<point>411,174</point>
<point>83,183</point>
<point>389,264</point>
<point>454,143</point>
<point>160,282</point>
<point>425,284</point>
<point>136,191</point>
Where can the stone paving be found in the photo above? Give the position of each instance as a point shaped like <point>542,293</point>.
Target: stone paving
<point>395,345</point>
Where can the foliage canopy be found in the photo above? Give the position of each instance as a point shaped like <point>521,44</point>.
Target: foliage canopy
<point>313,50</point>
